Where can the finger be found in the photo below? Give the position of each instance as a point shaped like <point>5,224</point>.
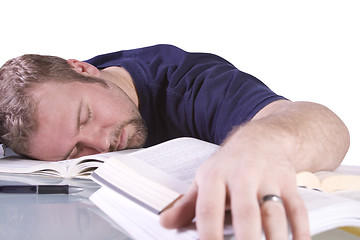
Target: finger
<point>210,208</point>
<point>245,213</point>
<point>297,215</point>
<point>182,212</point>
<point>274,221</point>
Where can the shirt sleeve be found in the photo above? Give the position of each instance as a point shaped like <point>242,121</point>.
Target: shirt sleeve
<point>203,95</point>
<point>224,97</point>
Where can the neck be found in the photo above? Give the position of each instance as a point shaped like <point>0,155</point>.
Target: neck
<point>120,77</point>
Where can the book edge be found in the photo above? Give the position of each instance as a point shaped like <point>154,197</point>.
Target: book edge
<point>101,180</point>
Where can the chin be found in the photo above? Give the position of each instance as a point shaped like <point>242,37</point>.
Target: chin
<point>137,142</point>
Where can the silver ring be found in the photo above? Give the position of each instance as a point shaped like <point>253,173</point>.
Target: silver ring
<point>271,197</point>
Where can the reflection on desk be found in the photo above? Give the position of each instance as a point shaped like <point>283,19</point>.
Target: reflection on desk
<point>58,216</point>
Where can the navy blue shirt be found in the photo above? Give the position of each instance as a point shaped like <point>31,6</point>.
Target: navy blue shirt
<point>189,94</point>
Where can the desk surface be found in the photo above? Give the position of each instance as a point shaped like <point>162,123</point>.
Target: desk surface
<point>32,216</point>
<point>60,216</point>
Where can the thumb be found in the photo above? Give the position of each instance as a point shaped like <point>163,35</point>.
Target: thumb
<point>182,212</point>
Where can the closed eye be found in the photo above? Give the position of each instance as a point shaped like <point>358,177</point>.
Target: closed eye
<point>85,117</point>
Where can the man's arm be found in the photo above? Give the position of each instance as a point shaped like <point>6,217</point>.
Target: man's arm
<point>319,139</point>
<point>260,158</point>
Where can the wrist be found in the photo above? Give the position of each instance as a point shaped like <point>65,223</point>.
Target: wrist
<point>265,143</point>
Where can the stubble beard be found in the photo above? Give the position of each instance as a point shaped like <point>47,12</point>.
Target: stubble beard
<point>137,140</point>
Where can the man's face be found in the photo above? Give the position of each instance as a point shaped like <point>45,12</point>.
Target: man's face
<point>77,119</point>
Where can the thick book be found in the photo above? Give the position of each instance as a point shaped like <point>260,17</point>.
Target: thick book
<point>155,177</point>
<point>137,187</point>
<point>73,168</point>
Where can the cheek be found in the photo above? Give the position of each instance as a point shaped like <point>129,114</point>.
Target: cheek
<point>112,104</point>
<point>87,151</point>
<point>108,110</point>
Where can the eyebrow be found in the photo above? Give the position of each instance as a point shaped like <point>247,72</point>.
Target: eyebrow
<point>78,113</point>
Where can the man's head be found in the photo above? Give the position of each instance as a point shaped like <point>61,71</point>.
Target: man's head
<point>39,93</point>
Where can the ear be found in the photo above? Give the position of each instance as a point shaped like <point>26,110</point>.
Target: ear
<point>83,67</point>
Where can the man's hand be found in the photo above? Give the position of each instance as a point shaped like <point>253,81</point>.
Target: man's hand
<point>239,183</point>
<point>258,159</point>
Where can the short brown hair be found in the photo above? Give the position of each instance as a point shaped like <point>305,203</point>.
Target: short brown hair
<point>18,77</point>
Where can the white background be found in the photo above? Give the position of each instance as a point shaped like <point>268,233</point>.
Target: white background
<point>304,50</point>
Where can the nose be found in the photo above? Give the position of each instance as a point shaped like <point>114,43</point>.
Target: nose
<point>96,139</point>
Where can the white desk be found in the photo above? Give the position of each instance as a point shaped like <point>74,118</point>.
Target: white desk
<point>43,217</point>
<point>33,216</point>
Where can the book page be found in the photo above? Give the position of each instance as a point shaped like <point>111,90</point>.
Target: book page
<point>156,176</point>
<point>141,169</point>
<point>129,181</point>
<point>354,195</point>
<point>348,169</point>
<point>82,167</point>
<point>343,178</point>
<point>328,211</point>
<point>78,167</point>
<point>137,221</point>
<point>179,157</point>
<point>307,179</point>
<point>15,164</point>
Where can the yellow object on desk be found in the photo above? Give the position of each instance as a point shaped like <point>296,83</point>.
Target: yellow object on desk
<point>352,230</point>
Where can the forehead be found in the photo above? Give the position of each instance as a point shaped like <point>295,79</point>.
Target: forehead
<point>44,90</point>
<point>56,115</point>
<point>54,100</point>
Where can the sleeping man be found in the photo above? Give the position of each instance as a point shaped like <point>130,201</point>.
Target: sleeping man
<point>54,109</point>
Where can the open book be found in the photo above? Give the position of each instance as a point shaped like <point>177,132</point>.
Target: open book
<point>136,187</point>
<point>73,168</point>
<point>326,181</point>
<point>155,177</point>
